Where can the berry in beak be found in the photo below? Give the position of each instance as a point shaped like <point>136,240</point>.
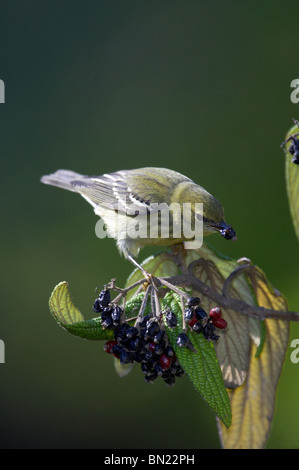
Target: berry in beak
<point>225,230</point>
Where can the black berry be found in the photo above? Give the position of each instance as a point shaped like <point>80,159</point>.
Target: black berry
<point>159,336</point>
<point>102,301</point>
<point>188,314</point>
<point>184,342</point>
<point>200,313</point>
<point>104,297</point>
<point>171,319</point>
<point>116,315</point>
<point>197,327</point>
<point>97,306</point>
<point>193,301</point>
<point>209,330</point>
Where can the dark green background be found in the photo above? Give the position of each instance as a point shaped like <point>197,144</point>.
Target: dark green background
<point>97,86</point>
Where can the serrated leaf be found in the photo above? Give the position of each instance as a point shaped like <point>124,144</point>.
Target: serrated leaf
<point>242,286</point>
<point>232,349</point>
<point>133,305</point>
<point>69,317</point>
<point>253,403</point>
<point>292,182</point>
<point>201,367</point>
<point>62,307</point>
<point>89,329</point>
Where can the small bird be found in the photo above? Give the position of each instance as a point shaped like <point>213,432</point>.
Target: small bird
<point>130,193</point>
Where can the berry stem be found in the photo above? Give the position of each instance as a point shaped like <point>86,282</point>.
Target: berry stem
<point>123,292</point>
<point>183,314</point>
<point>173,288</point>
<point>155,302</point>
<point>143,305</point>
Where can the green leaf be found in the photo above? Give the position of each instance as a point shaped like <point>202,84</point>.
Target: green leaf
<point>69,317</point>
<point>133,306</point>
<point>201,367</point>
<point>89,329</point>
<point>292,182</point>
<point>62,307</point>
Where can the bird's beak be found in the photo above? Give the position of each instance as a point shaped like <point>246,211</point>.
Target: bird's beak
<point>225,230</point>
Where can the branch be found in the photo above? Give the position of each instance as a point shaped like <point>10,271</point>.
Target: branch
<point>224,300</point>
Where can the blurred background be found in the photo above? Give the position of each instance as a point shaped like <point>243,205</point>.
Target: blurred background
<point>199,87</point>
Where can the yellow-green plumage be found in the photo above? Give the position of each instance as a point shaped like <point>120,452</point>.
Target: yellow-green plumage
<point>138,189</point>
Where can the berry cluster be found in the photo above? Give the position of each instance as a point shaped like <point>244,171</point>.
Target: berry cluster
<point>200,322</point>
<point>112,315</point>
<point>215,317</point>
<point>145,343</point>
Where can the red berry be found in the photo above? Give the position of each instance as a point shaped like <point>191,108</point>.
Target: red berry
<point>215,313</point>
<point>165,361</point>
<point>192,322</point>
<point>108,346</point>
<point>152,346</point>
<point>220,323</point>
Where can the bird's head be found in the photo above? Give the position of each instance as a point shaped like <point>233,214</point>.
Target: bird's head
<point>213,214</point>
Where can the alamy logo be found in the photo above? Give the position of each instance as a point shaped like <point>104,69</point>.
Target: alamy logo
<point>295,94</point>
<point>2,91</point>
<point>2,352</point>
<point>295,354</point>
<point>163,221</point>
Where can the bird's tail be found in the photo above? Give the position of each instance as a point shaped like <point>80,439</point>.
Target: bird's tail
<point>62,179</point>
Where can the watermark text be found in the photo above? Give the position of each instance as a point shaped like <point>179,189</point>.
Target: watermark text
<point>157,221</point>
<point>2,91</point>
<point>2,352</point>
<point>295,94</point>
<point>295,354</point>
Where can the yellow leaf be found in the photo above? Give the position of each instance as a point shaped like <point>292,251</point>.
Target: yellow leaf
<point>253,403</point>
<point>62,307</point>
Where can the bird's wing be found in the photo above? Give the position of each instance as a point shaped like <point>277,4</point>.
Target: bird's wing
<point>109,191</point>
<point>62,179</point>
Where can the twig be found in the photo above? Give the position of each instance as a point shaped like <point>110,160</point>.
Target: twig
<point>123,292</point>
<point>224,300</point>
<point>245,268</point>
<point>238,305</point>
